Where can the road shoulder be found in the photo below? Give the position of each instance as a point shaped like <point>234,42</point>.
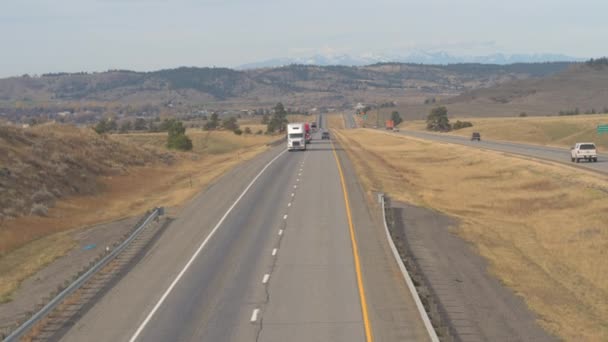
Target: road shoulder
<point>392,310</point>
<point>473,303</point>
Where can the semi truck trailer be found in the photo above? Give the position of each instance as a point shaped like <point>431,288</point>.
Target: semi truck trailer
<point>296,136</point>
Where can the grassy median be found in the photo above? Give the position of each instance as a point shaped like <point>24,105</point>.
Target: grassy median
<point>541,226</point>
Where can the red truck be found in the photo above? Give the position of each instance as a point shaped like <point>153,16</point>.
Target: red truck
<point>389,124</point>
<point>307,132</point>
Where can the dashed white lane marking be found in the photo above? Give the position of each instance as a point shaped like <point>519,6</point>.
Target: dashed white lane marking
<point>265,279</point>
<point>295,186</point>
<point>280,231</point>
<point>254,315</point>
<point>285,217</point>
<point>289,204</point>
<point>292,194</point>
<point>297,180</point>
<point>198,251</point>
<point>274,251</point>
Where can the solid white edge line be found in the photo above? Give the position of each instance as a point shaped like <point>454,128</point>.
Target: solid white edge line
<point>274,252</point>
<point>410,284</point>
<point>200,248</point>
<point>254,315</point>
<point>265,279</point>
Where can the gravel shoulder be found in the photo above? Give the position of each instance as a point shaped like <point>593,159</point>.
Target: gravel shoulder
<point>90,243</point>
<point>473,304</point>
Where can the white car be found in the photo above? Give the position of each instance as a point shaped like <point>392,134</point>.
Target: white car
<point>586,151</point>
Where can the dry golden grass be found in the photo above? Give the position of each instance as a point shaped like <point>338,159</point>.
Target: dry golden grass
<point>301,118</point>
<point>562,131</point>
<point>203,142</point>
<point>30,243</point>
<point>30,258</point>
<point>335,121</point>
<point>541,226</point>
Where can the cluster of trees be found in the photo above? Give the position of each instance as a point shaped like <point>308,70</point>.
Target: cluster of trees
<point>577,111</point>
<point>278,121</point>
<point>396,117</point>
<point>438,121</point>
<point>388,104</point>
<point>461,124</point>
<point>177,138</point>
<point>229,124</point>
<point>598,62</point>
<point>105,126</point>
<point>110,125</point>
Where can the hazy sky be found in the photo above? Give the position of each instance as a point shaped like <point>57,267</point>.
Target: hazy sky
<point>38,36</point>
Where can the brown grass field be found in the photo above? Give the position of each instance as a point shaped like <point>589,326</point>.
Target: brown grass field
<point>540,225</point>
<point>561,131</point>
<point>335,121</point>
<point>29,243</point>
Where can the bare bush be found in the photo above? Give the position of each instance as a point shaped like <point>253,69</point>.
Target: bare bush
<point>39,209</point>
<point>43,196</point>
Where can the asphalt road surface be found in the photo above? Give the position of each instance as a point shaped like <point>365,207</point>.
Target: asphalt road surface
<point>273,263</point>
<point>555,154</point>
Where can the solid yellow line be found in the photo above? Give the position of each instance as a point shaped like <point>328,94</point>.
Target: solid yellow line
<point>353,239</point>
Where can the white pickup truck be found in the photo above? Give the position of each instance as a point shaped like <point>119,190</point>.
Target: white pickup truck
<point>586,151</point>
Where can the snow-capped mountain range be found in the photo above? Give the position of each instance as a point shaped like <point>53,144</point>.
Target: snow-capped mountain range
<point>419,57</point>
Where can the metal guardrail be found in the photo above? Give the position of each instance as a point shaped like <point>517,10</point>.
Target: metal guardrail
<point>410,284</point>
<point>50,306</point>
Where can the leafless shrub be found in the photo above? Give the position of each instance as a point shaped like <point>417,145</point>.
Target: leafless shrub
<point>56,192</point>
<point>42,196</point>
<point>39,210</point>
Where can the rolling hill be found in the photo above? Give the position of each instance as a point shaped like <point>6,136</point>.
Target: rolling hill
<point>294,85</point>
<point>580,88</point>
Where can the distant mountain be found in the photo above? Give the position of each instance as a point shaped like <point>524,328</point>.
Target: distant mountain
<point>418,57</point>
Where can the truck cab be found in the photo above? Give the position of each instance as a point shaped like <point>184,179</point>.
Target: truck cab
<point>586,151</point>
<point>296,137</point>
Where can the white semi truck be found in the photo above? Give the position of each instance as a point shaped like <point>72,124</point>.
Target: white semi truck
<point>296,139</point>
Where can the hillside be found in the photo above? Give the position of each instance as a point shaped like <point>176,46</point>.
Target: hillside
<point>295,85</point>
<point>43,164</point>
<point>582,86</point>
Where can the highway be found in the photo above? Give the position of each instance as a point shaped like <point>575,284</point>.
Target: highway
<point>555,154</point>
<point>265,254</point>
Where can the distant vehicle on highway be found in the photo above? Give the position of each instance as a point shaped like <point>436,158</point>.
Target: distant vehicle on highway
<point>395,129</point>
<point>313,125</point>
<point>296,136</point>
<point>586,151</point>
<point>307,134</point>
<point>325,136</point>
<point>389,124</point>
<point>476,136</point>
